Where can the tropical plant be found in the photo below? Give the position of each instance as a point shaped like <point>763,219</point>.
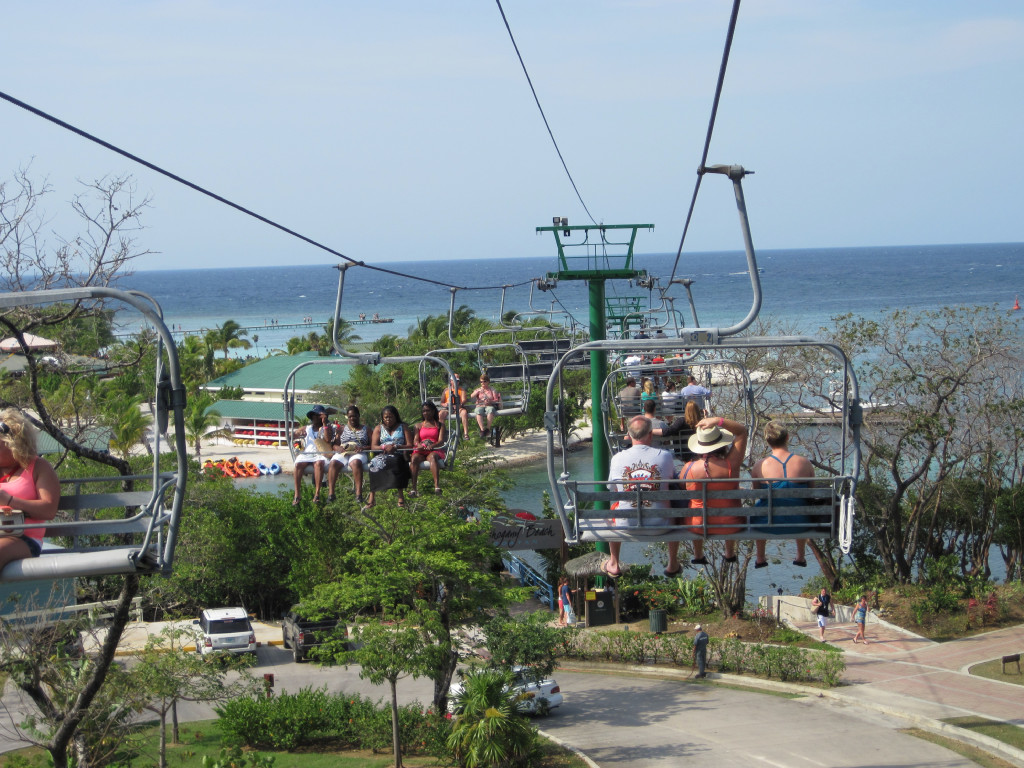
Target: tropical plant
<point>490,728</point>
<point>229,335</point>
<point>199,419</point>
<point>128,425</point>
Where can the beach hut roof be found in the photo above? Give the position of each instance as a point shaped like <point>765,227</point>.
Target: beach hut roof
<point>10,344</point>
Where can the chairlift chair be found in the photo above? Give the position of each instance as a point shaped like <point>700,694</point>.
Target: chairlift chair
<point>584,506</point>
<point>147,533</point>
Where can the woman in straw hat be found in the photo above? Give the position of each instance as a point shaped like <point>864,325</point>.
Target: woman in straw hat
<point>720,445</point>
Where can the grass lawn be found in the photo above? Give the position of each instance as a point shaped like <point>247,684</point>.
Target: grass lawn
<point>203,738</point>
<point>1004,732</point>
<point>993,670</point>
<point>972,753</point>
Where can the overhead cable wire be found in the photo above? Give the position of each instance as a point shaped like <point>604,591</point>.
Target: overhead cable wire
<point>174,177</point>
<point>541,109</point>
<point>711,127</point>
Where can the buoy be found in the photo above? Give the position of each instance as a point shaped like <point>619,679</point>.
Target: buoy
<point>1016,302</point>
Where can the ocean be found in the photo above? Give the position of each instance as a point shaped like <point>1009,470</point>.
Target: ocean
<point>806,288</point>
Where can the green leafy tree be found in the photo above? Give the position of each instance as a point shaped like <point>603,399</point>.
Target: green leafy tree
<point>397,645</point>
<point>490,728</point>
<point>527,639</point>
<point>166,673</point>
<point>426,552</point>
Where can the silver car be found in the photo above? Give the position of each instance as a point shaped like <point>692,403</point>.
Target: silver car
<point>224,629</point>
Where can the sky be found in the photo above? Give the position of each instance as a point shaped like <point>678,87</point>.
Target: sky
<point>406,130</point>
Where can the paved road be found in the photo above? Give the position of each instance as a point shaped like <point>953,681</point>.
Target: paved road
<point>628,722</point>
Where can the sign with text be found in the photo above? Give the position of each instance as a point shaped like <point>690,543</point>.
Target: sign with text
<point>518,533</point>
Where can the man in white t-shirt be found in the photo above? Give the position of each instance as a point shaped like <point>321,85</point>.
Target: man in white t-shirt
<point>641,466</point>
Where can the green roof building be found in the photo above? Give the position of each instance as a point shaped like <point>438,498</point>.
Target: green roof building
<point>266,378</point>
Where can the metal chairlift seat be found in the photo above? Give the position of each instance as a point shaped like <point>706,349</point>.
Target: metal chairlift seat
<point>144,540</point>
<point>585,508</point>
<point>451,443</point>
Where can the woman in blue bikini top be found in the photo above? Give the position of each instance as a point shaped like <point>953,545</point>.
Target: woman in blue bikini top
<point>781,473</point>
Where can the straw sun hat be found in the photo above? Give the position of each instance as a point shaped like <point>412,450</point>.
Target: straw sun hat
<point>710,439</point>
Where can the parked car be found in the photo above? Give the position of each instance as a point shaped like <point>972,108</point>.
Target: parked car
<point>538,696</point>
<point>300,633</point>
<point>224,629</point>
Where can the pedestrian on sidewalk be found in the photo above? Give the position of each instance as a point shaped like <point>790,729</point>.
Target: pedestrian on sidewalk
<point>860,616</point>
<point>822,605</point>
<point>700,651</point>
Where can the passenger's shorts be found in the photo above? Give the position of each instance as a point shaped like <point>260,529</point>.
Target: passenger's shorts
<point>484,410</point>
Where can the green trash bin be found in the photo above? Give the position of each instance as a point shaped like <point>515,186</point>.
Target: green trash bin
<point>659,620</point>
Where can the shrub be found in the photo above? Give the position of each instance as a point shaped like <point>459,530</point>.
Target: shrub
<point>828,666</point>
<point>283,722</point>
<point>732,655</point>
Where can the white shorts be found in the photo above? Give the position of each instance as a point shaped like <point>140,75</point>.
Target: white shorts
<point>310,458</point>
<point>346,459</point>
<point>822,620</point>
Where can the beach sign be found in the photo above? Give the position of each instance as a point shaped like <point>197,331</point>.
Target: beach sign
<point>523,530</point>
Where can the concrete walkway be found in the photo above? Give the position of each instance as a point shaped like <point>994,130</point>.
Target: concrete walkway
<point>910,674</point>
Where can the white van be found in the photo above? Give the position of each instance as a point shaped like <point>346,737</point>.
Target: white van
<point>225,629</point>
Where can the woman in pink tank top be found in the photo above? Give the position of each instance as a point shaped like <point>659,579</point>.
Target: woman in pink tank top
<point>28,484</point>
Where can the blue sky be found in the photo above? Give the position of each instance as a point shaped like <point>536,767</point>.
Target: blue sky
<point>405,130</point>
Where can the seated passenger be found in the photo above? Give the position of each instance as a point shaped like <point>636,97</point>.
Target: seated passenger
<point>311,454</point>
<point>389,469</point>
<point>778,468</point>
<point>648,392</point>
<point>650,408</point>
<point>696,393</point>
<point>670,398</point>
<point>487,400</point>
<point>640,467</point>
<point>454,396</point>
<point>629,402</point>
<point>720,445</point>
<point>427,447</point>
<point>351,445</point>
<point>28,486</point>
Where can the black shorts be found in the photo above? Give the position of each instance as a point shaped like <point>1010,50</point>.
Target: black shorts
<point>35,546</point>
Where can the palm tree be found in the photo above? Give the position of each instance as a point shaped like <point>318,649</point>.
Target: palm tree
<point>346,333</point>
<point>228,335</point>
<point>490,729</point>
<point>128,425</point>
<point>198,420</point>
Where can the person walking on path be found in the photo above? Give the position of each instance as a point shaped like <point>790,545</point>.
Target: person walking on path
<point>860,616</point>
<point>700,651</point>
<point>822,605</point>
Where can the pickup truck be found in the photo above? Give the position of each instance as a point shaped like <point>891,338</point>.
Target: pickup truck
<point>300,634</point>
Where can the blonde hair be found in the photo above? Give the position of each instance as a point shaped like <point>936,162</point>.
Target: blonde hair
<point>692,415</point>
<point>648,386</point>
<point>20,436</point>
<point>776,435</point>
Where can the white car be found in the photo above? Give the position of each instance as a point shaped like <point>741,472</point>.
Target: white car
<point>224,629</point>
<point>539,696</point>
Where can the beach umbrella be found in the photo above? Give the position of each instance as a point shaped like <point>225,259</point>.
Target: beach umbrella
<point>32,341</point>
